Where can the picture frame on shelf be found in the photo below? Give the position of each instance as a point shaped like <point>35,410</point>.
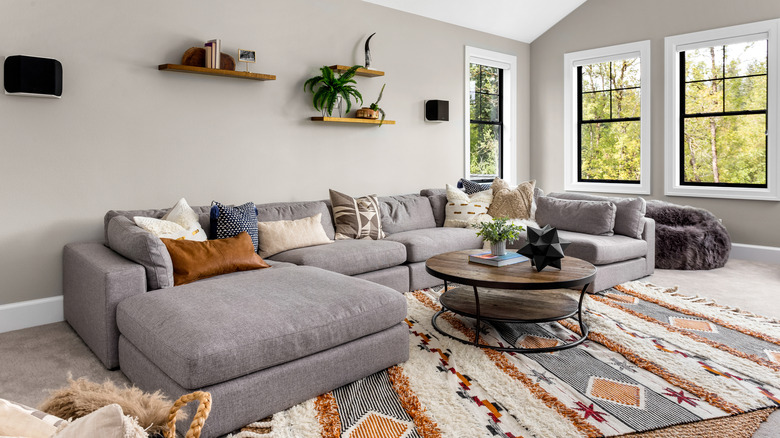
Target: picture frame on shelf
<point>247,57</point>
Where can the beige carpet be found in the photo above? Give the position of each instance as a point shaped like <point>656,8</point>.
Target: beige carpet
<point>39,359</point>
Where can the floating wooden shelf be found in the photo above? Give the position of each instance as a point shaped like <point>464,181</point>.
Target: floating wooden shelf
<point>352,120</point>
<point>359,72</point>
<point>216,72</point>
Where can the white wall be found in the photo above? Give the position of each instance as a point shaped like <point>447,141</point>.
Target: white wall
<point>127,136</point>
<point>600,23</point>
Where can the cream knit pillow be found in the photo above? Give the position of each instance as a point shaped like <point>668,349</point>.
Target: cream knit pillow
<point>181,222</point>
<point>277,236</point>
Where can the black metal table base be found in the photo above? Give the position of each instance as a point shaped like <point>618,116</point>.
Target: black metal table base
<point>583,328</point>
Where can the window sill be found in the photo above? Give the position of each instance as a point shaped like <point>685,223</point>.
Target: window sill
<point>747,194</point>
<point>627,189</point>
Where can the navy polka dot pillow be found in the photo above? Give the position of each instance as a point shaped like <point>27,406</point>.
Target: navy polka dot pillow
<point>471,187</point>
<point>228,221</point>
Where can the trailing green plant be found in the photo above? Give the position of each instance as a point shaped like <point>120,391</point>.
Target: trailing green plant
<point>331,86</point>
<point>375,106</point>
<point>499,230</point>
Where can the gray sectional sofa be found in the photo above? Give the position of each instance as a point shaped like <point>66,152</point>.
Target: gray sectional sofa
<point>261,341</point>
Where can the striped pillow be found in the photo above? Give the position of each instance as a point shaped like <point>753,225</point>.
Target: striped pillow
<point>356,218</point>
<point>23,421</point>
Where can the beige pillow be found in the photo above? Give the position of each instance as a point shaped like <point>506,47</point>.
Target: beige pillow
<point>22,421</point>
<point>463,210</point>
<point>278,236</point>
<point>512,203</point>
<point>356,218</point>
<point>106,422</point>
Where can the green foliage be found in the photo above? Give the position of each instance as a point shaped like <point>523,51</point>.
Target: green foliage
<point>499,230</point>
<point>611,150</point>
<point>330,87</point>
<point>484,106</point>
<point>726,149</point>
<point>375,106</point>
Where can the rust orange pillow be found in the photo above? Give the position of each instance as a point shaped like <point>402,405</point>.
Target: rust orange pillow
<point>198,260</point>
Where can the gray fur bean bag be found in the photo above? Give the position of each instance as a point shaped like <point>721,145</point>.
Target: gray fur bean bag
<point>688,237</point>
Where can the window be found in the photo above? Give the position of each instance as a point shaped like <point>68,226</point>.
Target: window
<point>486,122</point>
<point>722,113</point>
<point>490,104</point>
<point>607,119</point>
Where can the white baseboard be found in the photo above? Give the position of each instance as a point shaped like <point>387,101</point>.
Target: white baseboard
<point>756,253</point>
<point>16,316</point>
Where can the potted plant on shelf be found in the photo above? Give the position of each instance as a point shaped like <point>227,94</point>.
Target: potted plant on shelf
<point>373,111</point>
<point>333,89</point>
<point>498,232</point>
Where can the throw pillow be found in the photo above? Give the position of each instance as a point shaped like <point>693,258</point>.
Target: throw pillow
<point>142,247</point>
<point>228,221</point>
<point>471,187</point>
<point>278,236</point>
<point>356,218</point>
<point>628,216</point>
<point>512,203</point>
<point>181,222</point>
<point>106,422</point>
<point>198,260</point>
<point>463,210</point>
<point>18,420</point>
<point>589,217</point>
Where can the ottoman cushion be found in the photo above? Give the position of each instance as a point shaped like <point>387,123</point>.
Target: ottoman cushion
<point>217,329</point>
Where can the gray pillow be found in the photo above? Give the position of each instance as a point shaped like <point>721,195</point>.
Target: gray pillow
<point>589,217</point>
<point>405,212</point>
<point>142,247</point>
<point>629,214</point>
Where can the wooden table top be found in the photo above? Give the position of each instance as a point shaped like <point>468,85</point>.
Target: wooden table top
<point>455,267</point>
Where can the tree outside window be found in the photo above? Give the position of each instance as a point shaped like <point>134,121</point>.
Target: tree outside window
<point>609,120</point>
<point>723,115</point>
<point>486,122</point>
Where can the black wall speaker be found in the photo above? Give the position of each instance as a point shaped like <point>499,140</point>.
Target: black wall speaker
<point>28,75</point>
<point>437,110</point>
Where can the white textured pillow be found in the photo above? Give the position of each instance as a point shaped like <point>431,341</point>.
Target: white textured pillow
<point>277,236</point>
<point>106,422</point>
<point>181,222</point>
<point>22,421</point>
<point>463,210</point>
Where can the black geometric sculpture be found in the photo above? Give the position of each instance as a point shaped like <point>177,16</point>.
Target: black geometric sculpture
<point>544,247</point>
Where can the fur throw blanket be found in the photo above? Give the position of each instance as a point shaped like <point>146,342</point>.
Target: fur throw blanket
<point>688,237</point>
<point>82,397</point>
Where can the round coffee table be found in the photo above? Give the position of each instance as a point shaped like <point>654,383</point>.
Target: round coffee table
<point>517,293</point>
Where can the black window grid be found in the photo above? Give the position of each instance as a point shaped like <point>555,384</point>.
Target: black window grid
<point>499,122</point>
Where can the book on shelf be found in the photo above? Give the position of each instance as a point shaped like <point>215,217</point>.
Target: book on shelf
<point>213,53</point>
<point>486,258</point>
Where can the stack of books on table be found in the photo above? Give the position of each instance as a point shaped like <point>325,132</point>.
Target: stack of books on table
<point>213,52</point>
<point>486,258</point>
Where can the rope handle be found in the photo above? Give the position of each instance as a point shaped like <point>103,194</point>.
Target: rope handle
<point>200,416</point>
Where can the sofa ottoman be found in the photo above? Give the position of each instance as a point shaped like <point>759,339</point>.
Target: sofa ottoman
<point>257,347</point>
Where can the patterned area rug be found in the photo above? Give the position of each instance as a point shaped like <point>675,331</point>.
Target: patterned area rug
<point>656,364</point>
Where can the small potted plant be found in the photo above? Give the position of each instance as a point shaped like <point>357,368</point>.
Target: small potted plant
<point>498,232</point>
<point>373,111</point>
<point>333,90</point>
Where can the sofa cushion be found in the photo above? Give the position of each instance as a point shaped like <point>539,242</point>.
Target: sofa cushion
<point>288,211</point>
<point>142,247</point>
<point>590,217</point>
<point>405,212</point>
<point>348,257</point>
<point>210,331</point>
<point>628,214</point>
<point>438,200</point>
<point>599,250</point>
<point>423,244</point>
<point>194,261</point>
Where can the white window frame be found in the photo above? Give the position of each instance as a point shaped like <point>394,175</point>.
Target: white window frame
<point>639,49</point>
<point>727,35</point>
<point>508,63</point>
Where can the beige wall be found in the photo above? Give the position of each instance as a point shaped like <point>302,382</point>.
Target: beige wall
<point>126,136</point>
<point>600,23</point>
